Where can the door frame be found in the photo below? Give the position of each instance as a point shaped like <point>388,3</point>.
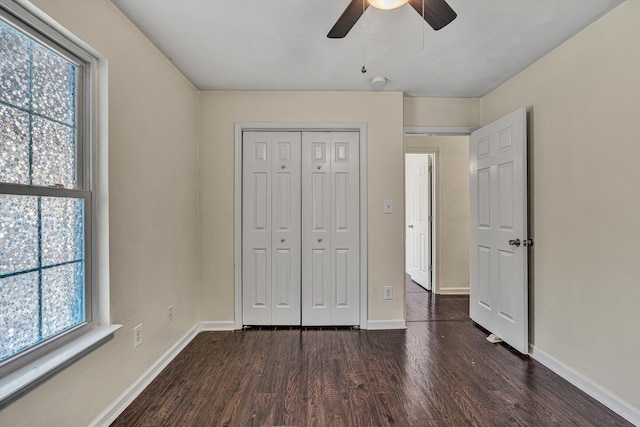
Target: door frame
<point>360,127</point>
<point>435,190</point>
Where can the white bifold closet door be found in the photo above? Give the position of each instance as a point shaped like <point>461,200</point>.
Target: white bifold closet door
<point>330,228</point>
<point>271,228</point>
<point>300,232</point>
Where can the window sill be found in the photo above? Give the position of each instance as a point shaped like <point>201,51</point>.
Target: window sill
<point>27,377</point>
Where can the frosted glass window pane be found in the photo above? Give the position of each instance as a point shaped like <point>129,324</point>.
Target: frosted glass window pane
<point>54,82</point>
<point>14,67</point>
<point>54,154</point>
<point>62,230</point>
<point>42,241</point>
<point>18,233</point>
<point>62,298</point>
<point>14,146</point>
<point>18,313</point>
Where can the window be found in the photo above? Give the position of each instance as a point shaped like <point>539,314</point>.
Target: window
<point>48,294</point>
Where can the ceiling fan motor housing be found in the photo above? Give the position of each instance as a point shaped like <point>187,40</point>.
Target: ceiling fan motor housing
<point>387,4</point>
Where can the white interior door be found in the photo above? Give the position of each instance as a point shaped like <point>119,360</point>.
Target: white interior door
<point>408,213</point>
<point>330,228</point>
<point>271,228</point>
<point>498,187</point>
<point>418,219</point>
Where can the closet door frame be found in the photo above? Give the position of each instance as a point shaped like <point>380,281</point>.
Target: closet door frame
<point>240,127</point>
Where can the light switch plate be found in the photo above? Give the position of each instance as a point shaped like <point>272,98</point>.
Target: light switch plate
<point>388,206</point>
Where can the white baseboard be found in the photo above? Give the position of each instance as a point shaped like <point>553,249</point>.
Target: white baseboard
<point>120,404</point>
<point>377,325</point>
<point>453,291</point>
<point>611,401</point>
<point>229,325</point>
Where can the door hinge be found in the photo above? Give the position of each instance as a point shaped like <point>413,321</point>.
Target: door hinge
<point>431,268</point>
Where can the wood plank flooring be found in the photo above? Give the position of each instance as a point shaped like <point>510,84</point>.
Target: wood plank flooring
<point>439,372</point>
<point>423,306</point>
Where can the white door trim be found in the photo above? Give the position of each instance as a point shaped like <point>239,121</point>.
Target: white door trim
<point>361,127</point>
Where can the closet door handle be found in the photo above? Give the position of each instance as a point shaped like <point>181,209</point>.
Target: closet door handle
<point>319,240</point>
<point>281,240</point>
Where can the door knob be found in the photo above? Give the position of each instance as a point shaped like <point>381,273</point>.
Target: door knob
<point>515,243</point>
<point>319,240</point>
<point>281,240</point>
<point>411,226</point>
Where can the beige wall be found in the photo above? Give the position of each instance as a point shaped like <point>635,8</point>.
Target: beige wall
<point>463,112</point>
<point>583,103</point>
<point>152,154</point>
<point>452,208</point>
<point>382,113</point>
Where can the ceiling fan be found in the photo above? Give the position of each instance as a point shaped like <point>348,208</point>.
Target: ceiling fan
<point>437,13</point>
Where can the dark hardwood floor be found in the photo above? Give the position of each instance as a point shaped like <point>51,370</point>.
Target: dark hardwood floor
<point>423,306</point>
<point>439,372</point>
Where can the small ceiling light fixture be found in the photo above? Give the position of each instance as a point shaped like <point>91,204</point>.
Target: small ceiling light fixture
<point>387,4</point>
<point>378,82</point>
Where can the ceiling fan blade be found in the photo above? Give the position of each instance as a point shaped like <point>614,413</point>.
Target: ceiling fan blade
<point>348,19</point>
<point>437,13</point>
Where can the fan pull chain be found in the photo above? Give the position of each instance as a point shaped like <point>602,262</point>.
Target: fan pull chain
<point>423,25</point>
<point>364,27</point>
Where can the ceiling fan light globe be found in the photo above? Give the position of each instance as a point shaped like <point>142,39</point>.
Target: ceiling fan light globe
<point>387,4</point>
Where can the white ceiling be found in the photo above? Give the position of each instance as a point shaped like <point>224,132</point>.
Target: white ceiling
<point>282,44</point>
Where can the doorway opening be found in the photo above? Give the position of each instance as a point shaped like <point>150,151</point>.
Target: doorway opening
<point>449,209</point>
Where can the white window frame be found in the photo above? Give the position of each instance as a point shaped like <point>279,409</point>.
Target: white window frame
<point>24,372</point>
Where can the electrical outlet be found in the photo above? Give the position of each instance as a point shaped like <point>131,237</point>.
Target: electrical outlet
<point>388,292</point>
<point>170,313</point>
<point>137,336</point>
